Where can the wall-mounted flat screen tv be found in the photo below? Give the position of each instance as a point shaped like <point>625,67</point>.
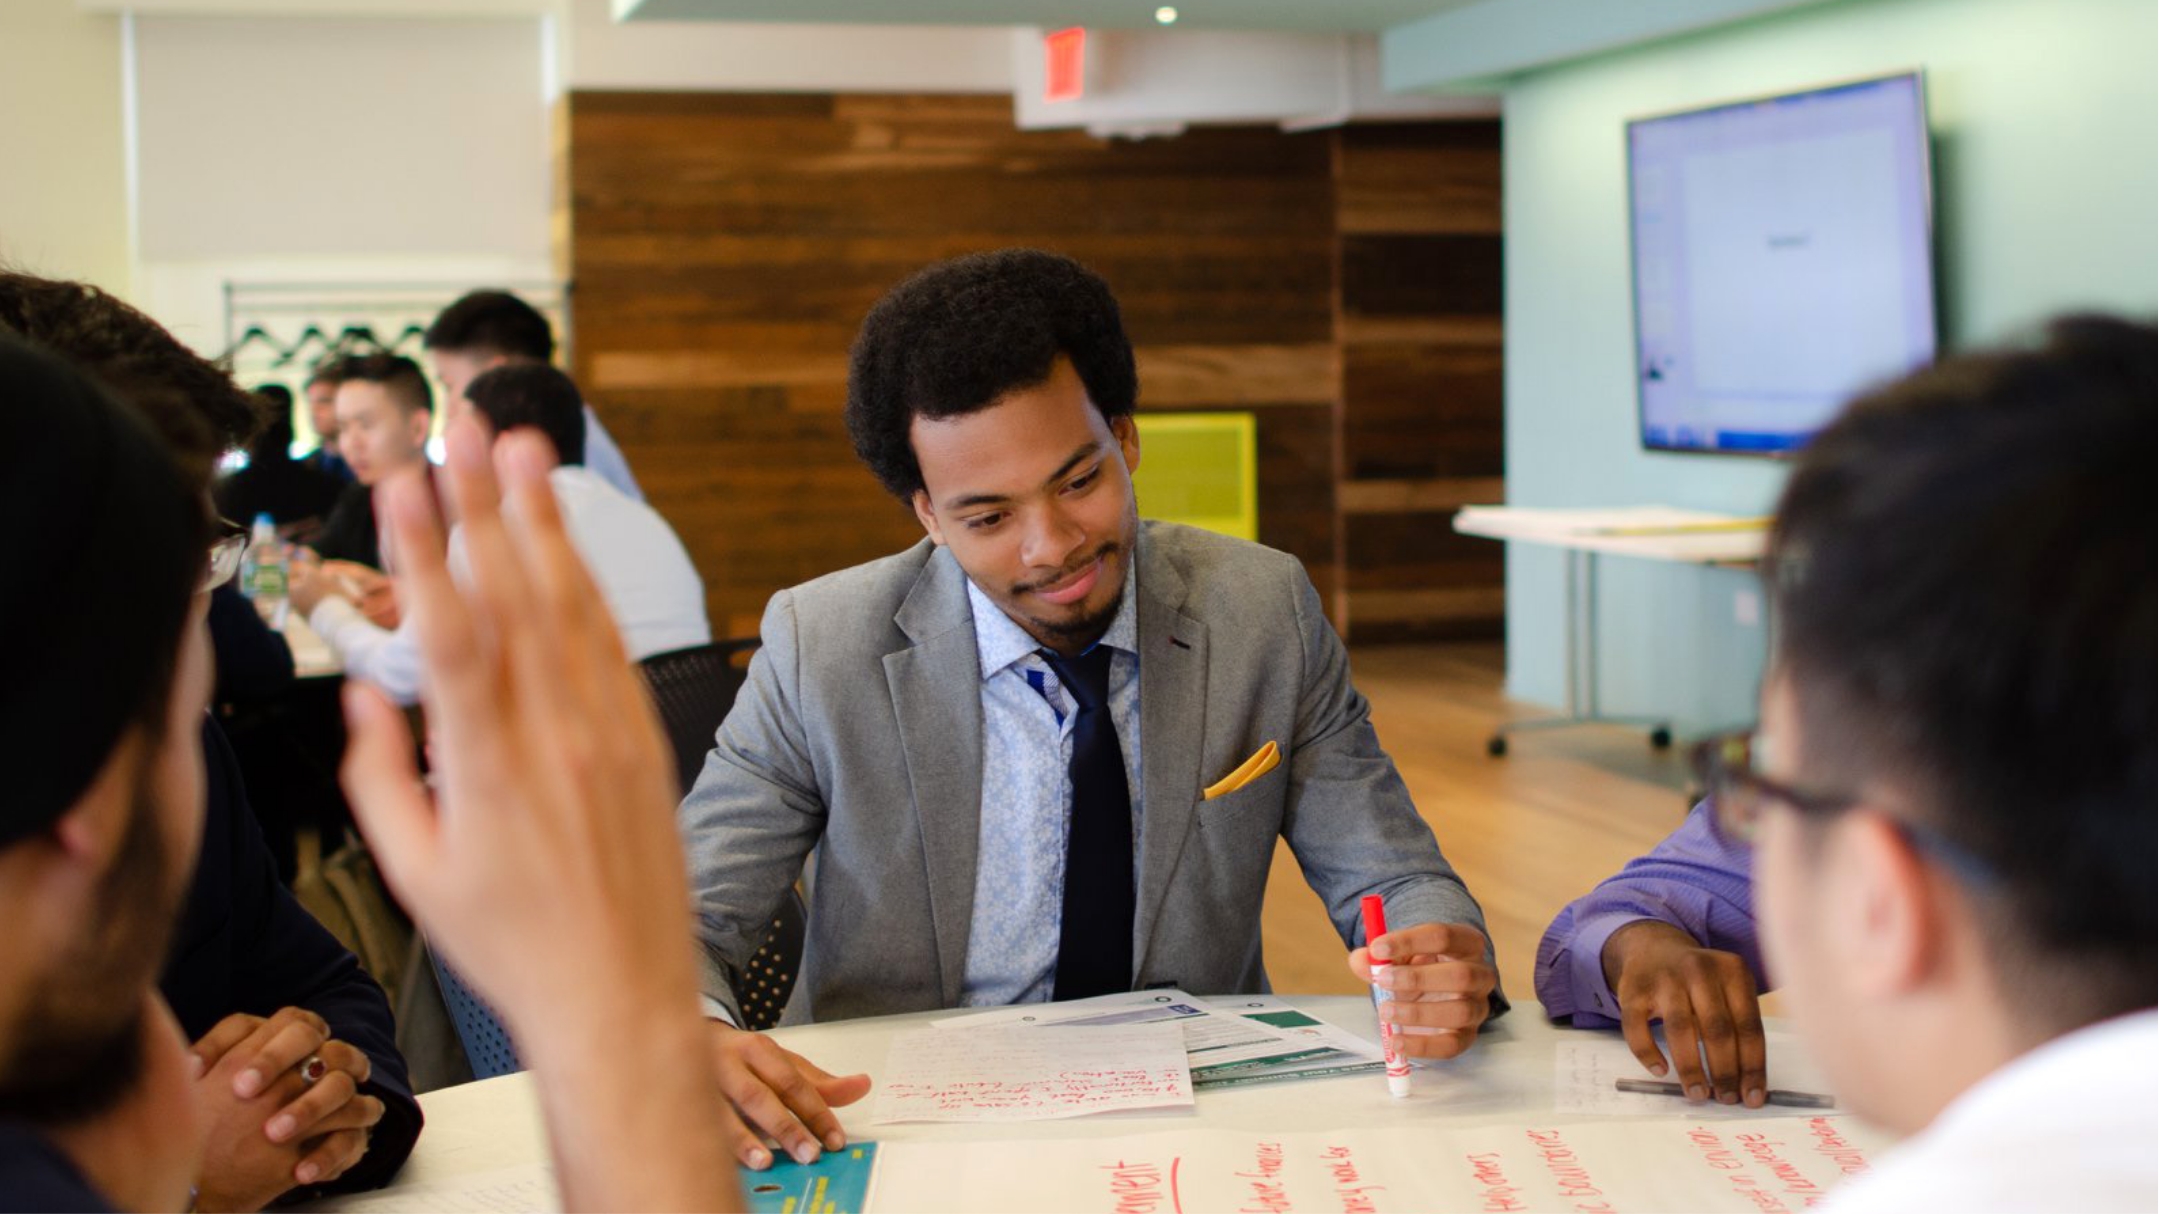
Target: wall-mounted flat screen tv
<point>1783,260</point>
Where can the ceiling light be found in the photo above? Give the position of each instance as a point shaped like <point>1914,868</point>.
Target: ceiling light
<point>1167,15</point>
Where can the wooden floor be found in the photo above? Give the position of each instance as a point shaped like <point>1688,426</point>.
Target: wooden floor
<point>1529,832</point>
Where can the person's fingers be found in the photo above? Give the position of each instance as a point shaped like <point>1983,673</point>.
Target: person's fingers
<point>1437,1043</point>
<point>791,1110</point>
<point>1457,941</point>
<point>1685,1043</point>
<point>347,1057</point>
<point>499,589</point>
<point>1634,1026</point>
<point>222,1037</point>
<point>330,1157</point>
<point>836,1091</point>
<point>744,1143</point>
<point>301,1118</point>
<point>1458,1012</point>
<point>1714,1027</point>
<point>1442,977</point>
<point>1753,1045</point>
<point>1360,964</point>
<point>382,782</point>
<point>278,1046</point>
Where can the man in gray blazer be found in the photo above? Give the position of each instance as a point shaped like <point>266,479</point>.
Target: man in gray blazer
<point>1047,751</point>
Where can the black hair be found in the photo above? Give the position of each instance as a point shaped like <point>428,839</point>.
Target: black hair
<point>536,395</point>
<point>1963,574</point>
<point>402,376</point>
<point>957,336</point>
<point>495,322</point>
<point>188,400</point>
<point>274,441</point>
<point>99,637</point>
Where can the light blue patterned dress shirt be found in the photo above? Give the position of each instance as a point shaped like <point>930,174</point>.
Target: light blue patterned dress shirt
<point>1027,720</point>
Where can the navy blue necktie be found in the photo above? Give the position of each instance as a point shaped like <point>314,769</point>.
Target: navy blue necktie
<point>1094,945</point>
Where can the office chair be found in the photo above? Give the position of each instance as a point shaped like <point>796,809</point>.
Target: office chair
<point>487,1044</point>
<point>694,689</point>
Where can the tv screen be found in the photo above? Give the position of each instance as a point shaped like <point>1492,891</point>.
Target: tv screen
<point>1783,260</point>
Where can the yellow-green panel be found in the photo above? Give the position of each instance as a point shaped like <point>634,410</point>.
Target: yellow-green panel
<point>1201,469</point>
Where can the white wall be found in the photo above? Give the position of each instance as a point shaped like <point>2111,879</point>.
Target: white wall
<point>270,136</point>
<point>63,160</point>
<point>747,56</point>
<point>2045,120</point>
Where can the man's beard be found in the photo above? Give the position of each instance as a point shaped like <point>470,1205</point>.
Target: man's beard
<point>77,1048</point>
<point>1086,629</point>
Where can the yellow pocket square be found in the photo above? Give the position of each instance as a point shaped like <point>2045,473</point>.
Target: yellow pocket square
<point>1262,761</point>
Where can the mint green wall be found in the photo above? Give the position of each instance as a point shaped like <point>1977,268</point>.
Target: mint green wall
<point>2047,198</point>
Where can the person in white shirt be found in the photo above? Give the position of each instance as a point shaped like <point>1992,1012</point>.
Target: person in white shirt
<point>650,586</point>
<point>1951,794</point>
<point>488,329</point>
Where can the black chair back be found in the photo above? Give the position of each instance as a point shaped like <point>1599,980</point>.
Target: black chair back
<point>694,688</point>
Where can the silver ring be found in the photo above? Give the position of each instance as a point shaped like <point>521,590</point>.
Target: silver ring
<point>312,1071</point>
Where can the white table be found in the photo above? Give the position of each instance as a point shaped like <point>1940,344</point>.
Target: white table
<point>1657,533</point>
<point>1507,1079</point>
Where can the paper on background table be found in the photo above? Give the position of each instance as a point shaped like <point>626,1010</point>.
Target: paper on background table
<point>1218,1042</point>
<point>1759,1166</point>
<point>1586,1064</point>
<point>1022,1073</point>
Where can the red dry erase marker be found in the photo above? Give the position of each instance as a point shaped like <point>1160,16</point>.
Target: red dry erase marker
<point>1390,1034</point>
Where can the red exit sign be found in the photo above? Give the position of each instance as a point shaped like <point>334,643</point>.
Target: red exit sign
<point>1064,61</point>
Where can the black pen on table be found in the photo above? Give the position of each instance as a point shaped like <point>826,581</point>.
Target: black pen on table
<point>1665,1087</point>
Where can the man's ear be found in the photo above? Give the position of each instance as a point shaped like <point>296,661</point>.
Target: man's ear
<point>927,516</point>
<point>1127,432</point>
<point>1898,916</point>
<point>419,422</point>
<point>92,827</point>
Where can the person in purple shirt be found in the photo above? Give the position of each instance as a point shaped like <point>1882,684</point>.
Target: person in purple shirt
<point>1669,937</point>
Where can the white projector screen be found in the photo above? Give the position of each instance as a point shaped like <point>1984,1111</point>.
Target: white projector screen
<point>1783,260</point>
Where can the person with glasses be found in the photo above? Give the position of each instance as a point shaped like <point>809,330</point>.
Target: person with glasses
<point>300,1084</point>
<point>1942,834</point>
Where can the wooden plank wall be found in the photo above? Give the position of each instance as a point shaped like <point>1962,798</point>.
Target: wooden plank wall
<point>1417,209</point>
<point>722,249</point>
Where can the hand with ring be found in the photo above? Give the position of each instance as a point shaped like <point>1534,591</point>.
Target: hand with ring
<point>281,1100</point>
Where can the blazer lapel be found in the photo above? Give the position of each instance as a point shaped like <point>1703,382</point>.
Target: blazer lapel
<point>1172,713</point>
<point>936,697</point>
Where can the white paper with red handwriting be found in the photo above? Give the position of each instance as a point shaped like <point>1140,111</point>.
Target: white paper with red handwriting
<point>1032,1074</point>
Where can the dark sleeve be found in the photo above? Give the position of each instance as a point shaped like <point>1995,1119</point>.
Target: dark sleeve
<point>273,954</point>
<point>253,660</point>
<point>349,533</point>
<point>35,1175</point>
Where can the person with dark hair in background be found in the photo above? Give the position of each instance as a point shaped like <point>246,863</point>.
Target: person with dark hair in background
<point>963,725</point>
<point>295,496</point>
<point>652,590</point>
<point>488,329</point>
<point>384,411</point>
<point>321,390</point>
<point>272,1001</point>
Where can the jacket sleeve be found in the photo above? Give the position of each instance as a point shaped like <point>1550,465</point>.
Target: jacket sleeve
<point>284,958</point>
<point>1351,822</point>
<point>1692,880</point>
<point>756,809</point>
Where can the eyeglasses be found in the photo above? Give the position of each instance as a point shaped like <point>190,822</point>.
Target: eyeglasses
<point>225,553</point>
<point>1730,768</point>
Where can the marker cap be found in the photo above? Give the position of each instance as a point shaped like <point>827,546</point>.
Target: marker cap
<point>1375,917</point>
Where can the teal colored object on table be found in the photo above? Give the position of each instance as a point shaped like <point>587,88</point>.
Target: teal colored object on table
<point>838,1183</point>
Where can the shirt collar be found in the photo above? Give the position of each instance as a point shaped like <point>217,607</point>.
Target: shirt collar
<point>1000,642</point>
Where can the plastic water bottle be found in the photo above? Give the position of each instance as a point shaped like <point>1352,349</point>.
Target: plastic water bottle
<point>265,572</point>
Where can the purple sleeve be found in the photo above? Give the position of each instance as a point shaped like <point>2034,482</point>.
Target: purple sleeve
<point>1692,880</point>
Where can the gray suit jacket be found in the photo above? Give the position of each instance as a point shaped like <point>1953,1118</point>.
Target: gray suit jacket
<point>859,733</point>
